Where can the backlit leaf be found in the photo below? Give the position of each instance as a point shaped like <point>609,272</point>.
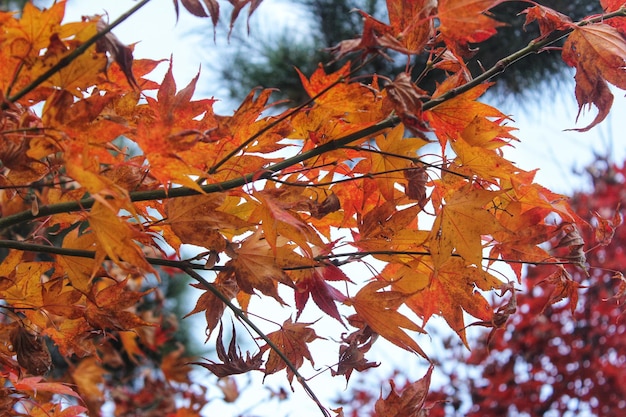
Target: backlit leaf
<point>598,52</point>
<point>379,309</point>
<point>292,340</point>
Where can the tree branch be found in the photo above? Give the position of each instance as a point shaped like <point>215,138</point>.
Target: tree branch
<point>66,60</point>
<point>241,315</point>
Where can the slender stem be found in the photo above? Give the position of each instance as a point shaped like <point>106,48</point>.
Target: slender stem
<point>241,315</point>
<point>270,170</point>
<point>501,65</point>
<point>187,263</point>
<point>66,60</point>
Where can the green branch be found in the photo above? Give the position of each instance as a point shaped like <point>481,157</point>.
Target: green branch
<point>188,263</point>
<point>270,170</point>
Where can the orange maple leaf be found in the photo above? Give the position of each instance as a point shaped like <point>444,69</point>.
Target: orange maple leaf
<point>379,310</point>
<point>106,307</point>
<point>254,265</point>
<point>116,238</point>
<point>197,220</point>
<point>452,293</point>
<point>453,116</point>
<point>460,224</point>
<point>466,21</point>
<point>598,52</point>
<point>618,23</point>
<point>408,402</point>
<point>212,306</point>
<point>291,339</point>
<point>548,19</point>
<point>392,158</point>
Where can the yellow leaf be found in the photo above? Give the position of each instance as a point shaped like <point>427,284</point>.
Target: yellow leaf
<point>393,156</point>
<point>379,309</point>
<point>463,219</point>
<point>116,238</point>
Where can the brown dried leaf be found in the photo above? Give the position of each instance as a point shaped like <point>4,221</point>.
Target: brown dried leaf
<point>31,350</point>
<point>233,361</point>
<point>408,402</point>
<point>406,99</point>
<point>118,52</point>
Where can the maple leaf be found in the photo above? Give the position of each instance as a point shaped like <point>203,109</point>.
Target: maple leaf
<point>501,316</point>
<point>406,99</point>
<point>324,295</point>
<point>232,361</point>
<point>393,157</point>
<point>460,224</point>
<point>573,241</point>
<point>522,234</point>
<point>79,270</point>
<point>120,53</point>
<point>480,160</point>
<point>176,126</point>
<point>254,266</point>
<point>212,306</point>
<point>385,228</point>
<point>61,299</point>
<point>31,350</point>
<point>605,230</point>
<point>618,23</point>
<point>83,71</point>
<point>453,116</point>
<point>116,238</point>
<point>598,52</point>
<point>549,20</point>
<point>451,292</point>
<point>107,306</point>
<point>291,339</point>
<point>72,337</point>
<point>415,189</point>
<point>408,32</point>
<point>562,287</point>
<point>379,310</point>
<point>34,383</point>
<point>278,218</point>
<point>197,220</point>
<point>356,345</point>
<point>175,365</point>
<point>411,22</point>
<point>408,402</point>
<point>354,103</point>
<point>466,21</point>
<point>88,376</point>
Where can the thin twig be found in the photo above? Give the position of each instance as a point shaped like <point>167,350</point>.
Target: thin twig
<point>241,315</point>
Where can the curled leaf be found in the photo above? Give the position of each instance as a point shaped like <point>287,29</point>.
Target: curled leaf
<point>598,52</point>
<point>31,350</point>
<point>117,52</point>
<point>232,361</point>
<point>406,99</point>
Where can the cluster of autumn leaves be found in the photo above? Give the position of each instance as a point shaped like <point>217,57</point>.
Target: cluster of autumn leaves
<point>272,201</point>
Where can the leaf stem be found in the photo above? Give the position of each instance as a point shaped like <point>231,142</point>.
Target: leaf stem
<point>187,263</point>
<point>241,315</point>
<point>270,170</point>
